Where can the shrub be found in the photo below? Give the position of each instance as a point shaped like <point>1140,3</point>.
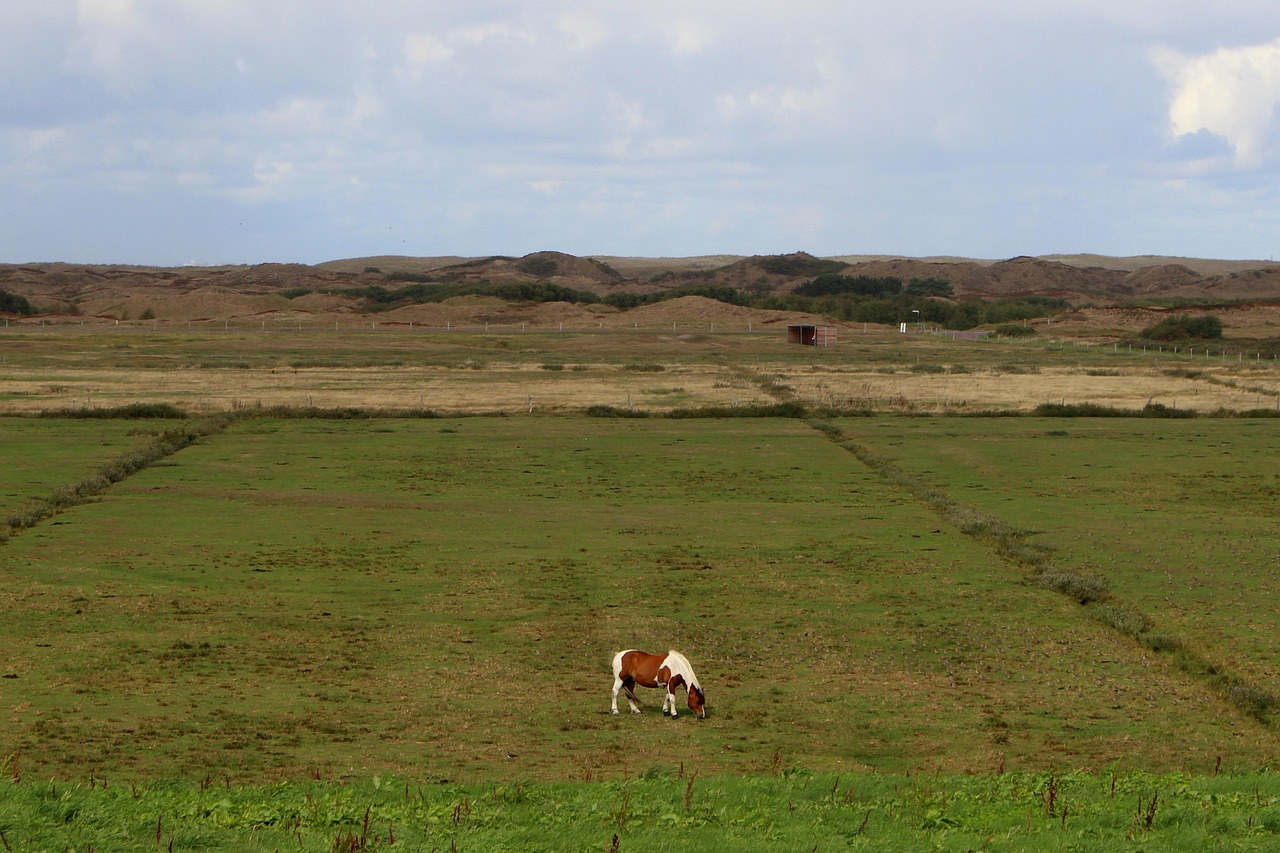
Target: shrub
<point>1095,410</point>
<point>988,413</point>
<point>132,410</point>
<point>344,413</point>
<point>12,303</point>
<point>776,410</point>
<point>1180,327</point>
<point>1015,330</point>
<point>601,411</point>
<point>1160,410</point>
<point>1078,410</point>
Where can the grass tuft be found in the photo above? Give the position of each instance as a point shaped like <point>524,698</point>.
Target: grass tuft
<point>1083,588</point>
<point>1123,618</point>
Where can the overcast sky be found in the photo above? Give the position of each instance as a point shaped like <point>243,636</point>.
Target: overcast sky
<point>242,131</point>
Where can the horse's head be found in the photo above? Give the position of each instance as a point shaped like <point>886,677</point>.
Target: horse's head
<point>697,702</point>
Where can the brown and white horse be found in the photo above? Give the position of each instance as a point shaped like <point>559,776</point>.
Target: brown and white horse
<point>669,671</point>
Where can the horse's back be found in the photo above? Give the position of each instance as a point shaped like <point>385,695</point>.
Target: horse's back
<point>640,665</point>
<point>618,658</point>
<point>679,663</point>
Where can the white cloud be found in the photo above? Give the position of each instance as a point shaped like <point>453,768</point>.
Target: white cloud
<point>546,187</point>
<point>35,141</point>
<point>425,48</point>
<point>586,32</point>
<point>1230,92</point>
<point>112,35</point>
<point>496,31</point>
<point>688,37</point>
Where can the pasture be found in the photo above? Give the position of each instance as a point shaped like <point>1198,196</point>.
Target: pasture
<point>435,600</point>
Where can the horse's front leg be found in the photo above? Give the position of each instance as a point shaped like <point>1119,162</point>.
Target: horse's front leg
<point>669,701</point>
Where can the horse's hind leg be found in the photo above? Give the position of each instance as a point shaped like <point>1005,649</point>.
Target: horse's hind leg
<point>629,687</point>
<point>625,686</point>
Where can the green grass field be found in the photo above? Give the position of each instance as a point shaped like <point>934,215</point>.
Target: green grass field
<point>43,453</point>
<point>1179,517</point>
<point>437,600</point>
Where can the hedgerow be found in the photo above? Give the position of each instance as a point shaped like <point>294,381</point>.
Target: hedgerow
<point>131,410</point>
<point>773,410</point>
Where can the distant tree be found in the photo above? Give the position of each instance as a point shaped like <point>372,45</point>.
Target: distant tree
<point>832,284</point>
<point>13,303</point>
<point>966,315</point>
<point>929,287</point>
<point>625,301</point>
<point>798,264</point>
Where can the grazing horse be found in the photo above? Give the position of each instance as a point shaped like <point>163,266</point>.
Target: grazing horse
<point>672,670</point>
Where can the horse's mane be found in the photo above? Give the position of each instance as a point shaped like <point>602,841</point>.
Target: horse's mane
<point>683,668</point>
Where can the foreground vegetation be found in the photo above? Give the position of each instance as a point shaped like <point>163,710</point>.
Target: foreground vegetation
<point>659,810</point>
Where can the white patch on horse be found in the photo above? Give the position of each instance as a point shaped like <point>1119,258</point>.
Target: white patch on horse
<point>679,665</point>
<point>617,681</point>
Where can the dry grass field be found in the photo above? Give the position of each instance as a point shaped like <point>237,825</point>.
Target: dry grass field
<point>46,368</point>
